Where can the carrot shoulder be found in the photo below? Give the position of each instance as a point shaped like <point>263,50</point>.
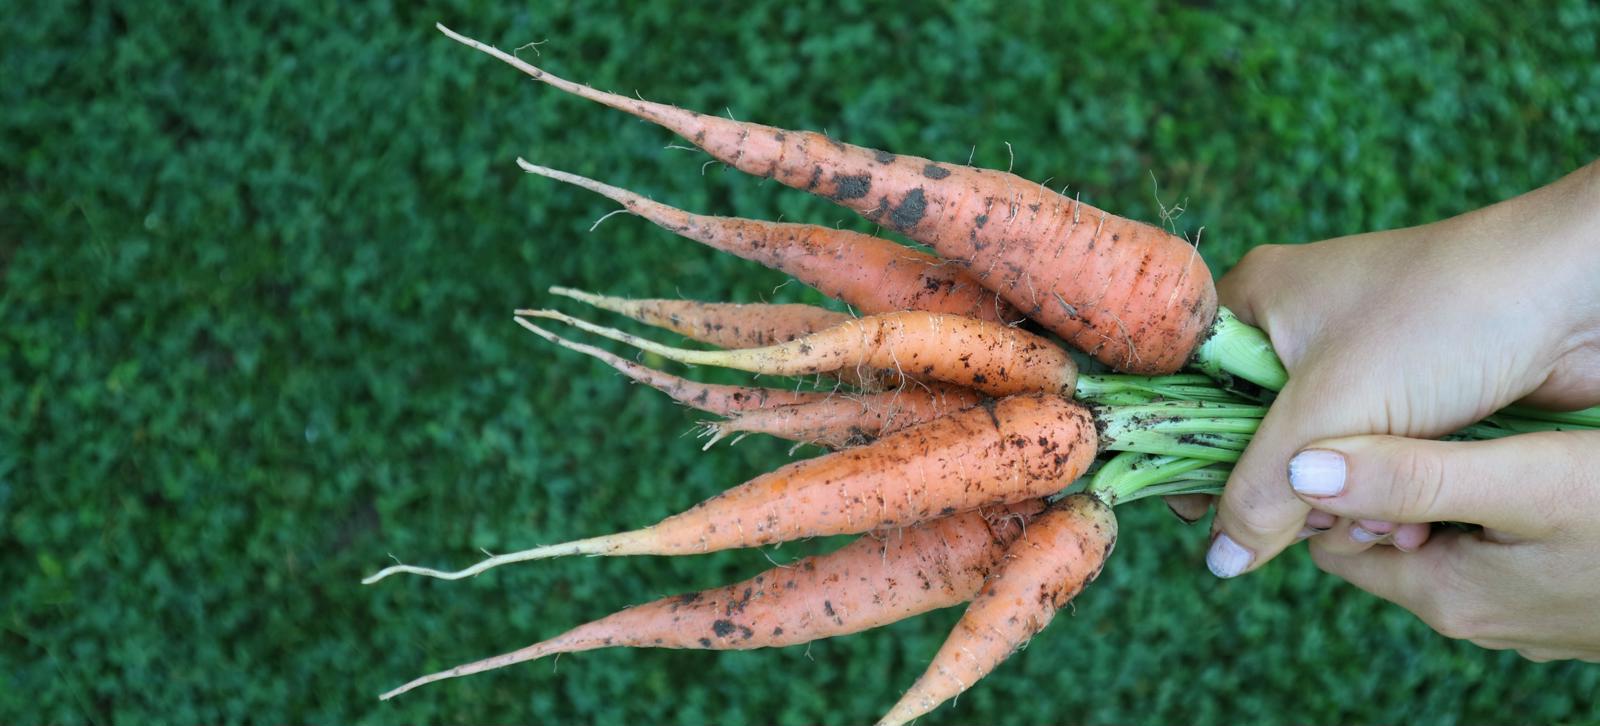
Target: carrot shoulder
<point>873,581</point>
<point>1130,294</point>
<point>1061,552</point>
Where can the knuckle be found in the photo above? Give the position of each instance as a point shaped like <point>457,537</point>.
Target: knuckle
<point>1255,510</point>
<point>1572,483</point>
<point>1417,475</point>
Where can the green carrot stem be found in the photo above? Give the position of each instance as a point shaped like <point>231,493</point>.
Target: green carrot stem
<point>1181,485</point>
<point>1237,350</point>
<point>1129,472</point>
<point>1588,418</point>
<point>1120,388</point>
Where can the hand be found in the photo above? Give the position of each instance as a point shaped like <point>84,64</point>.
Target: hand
<point>1414,332</point>
<point>1528,581</point>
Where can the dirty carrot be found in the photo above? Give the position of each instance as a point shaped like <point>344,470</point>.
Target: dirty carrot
<point>709,397</point>
<point>873,581</point>
<point>738,325</point>
<point>1132,295</point>
<point>872,274</point>
<point>1008,451</point>
<point>987,357</point>
<point>847,420</point>
<point>1061,552</point>
<point>725,325</point>
<point>835,419</point>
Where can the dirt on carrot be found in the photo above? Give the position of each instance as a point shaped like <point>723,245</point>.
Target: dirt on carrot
<point>876,580</point>
<point>1061,552</point>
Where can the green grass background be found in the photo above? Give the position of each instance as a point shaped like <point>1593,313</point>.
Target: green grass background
<point>257,270</point>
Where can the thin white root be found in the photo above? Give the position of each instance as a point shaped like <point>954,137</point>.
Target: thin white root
<point>592,546</point>
<point>589,350</point>
<point>714,432</point>
<point>681,355</point>
<point>608,215</point>
<point>532,652</point>
<point>620,305</point>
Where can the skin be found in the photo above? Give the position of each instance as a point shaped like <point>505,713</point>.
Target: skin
<point>1397,337</point>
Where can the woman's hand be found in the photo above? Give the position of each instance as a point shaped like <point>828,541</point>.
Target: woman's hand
<point>1415,333</point>
<point>1527,581</point>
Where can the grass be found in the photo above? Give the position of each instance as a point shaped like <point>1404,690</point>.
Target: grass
<point>255,336</point>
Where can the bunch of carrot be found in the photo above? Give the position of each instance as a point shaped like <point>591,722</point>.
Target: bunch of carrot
<point>975,459</point>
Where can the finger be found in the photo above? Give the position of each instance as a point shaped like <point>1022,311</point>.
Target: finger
<point>1371,530</point>
<point>1546,655</point>
<point>1342,539</point>
<point>1258,514</point>
<point>1319,519</point>
<point>1398,479</point>
<point>1189,507</point>
<point>1410,580</point>
<point>1411,537</point>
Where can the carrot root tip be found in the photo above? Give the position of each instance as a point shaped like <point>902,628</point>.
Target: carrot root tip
<point>712,431</point>
<point>591,546</point>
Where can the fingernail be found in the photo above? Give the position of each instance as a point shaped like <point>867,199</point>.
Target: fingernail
<point>1363,535</point>
<point>1307,533</point>
<point>1180,516</point>
<point>1317,472</point>
<point>1226,558</point>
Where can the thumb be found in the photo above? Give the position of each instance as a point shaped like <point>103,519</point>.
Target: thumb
<point>1522,485</point>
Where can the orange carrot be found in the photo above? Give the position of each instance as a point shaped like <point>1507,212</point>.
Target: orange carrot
<point>1006,451</point>
<point>987,357</point>
<point>870,582</point>
<point>847,420</point>
<point>827,418</point>
<point>1061,552</point>
<point>738,325</point>
<point>1132,295</point>
<point>872,274</point>
<point>709,397</point>
<point>725,325</point>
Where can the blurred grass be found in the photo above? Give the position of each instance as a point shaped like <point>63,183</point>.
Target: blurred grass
<point>254,336</point>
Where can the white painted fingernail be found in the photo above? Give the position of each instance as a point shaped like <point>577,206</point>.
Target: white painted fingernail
<point>1363,535</point>
<point>1317,472</point>
<point>1226,558</point>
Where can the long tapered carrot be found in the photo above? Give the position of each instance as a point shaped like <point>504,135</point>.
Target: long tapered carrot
<point>872,274</point>
<point>1061,552</point>
<point>709,397</point>
<point>725,325</point>
<point>873,581</point>
<point>848,420</point>
<point>738,325</point>
<point>828,418</point>
<point>987,357</point>
<point>1130,294</point>
<point>1006,451</point>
